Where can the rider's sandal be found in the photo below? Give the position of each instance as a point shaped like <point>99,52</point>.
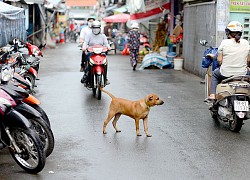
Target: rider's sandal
<point>208,100</point>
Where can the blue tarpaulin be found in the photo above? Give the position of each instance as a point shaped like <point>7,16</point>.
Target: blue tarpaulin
<point>154,59</point>
<point>12,23</point>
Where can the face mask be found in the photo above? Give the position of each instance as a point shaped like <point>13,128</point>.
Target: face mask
<point>96,31</point>
<point>89,24</point>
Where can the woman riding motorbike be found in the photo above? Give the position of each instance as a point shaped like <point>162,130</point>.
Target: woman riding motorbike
<point>233,57</point>
<point>94,38</point>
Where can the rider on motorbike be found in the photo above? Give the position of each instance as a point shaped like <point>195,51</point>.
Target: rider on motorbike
<point>83,34</point>
<point>233,57</point>
<point>94,38</point>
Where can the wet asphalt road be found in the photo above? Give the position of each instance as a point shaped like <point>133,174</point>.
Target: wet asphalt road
<point>186,142</point>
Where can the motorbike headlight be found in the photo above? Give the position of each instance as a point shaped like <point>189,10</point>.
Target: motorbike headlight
<point>4,101</point>
<point>7,74</point>
<point>91,62</point>
<point>35,52</point>
<point>97,50</point>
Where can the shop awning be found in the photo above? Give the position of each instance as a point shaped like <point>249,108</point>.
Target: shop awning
<point>152,11</point>
<point>81,2</point>
<point>29,1</point>
<point>117,18</point>
<point>34,1</point>
<point>54,2</point>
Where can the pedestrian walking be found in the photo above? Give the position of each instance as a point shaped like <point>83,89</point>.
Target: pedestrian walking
<point>108,30</point>
<point>134,44</point>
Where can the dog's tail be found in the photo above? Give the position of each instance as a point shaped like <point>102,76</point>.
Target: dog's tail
<point>111,95</point>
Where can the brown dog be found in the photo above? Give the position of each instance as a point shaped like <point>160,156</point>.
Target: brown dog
<point>134,109</point>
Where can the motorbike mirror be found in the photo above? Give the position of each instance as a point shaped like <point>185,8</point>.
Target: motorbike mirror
<point>11,43</point>
<point>42,46</point>
<point>203,42</point>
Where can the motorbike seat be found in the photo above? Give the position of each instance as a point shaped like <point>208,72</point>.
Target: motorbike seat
<point>236,78</point>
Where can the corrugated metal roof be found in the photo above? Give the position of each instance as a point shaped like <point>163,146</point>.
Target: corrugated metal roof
<point>12,23</point>
<point>81,2</point>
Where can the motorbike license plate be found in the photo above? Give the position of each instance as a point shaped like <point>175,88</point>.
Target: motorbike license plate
<point>241,105</point>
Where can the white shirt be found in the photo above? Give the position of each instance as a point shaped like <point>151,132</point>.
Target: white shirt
<point>84,32</point>
<point>235,55</point>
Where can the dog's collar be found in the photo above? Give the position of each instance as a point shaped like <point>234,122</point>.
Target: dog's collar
<point>147,104</point>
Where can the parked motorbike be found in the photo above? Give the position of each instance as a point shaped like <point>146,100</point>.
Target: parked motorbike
<point>17,133</point>
<point>232,94</point>
<point>18,94</point>
<point>30,53</point>
<point>97,74</point>
<point>21,67</point>
<point>112,45</point>
<point>25,90</point>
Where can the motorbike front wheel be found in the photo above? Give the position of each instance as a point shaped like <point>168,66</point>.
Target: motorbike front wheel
<point>42,112</point>
<point>31,157</point>
<point>99,94</point>
<point>236,124</point>
<point>45,134</point>
<point>94,91</point>
<point>99,83</point>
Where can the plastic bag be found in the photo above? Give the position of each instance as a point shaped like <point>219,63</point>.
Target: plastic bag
<point>126,51</point>
<point>206,61</point>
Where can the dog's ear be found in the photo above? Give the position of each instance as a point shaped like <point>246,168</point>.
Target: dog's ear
<point>150,98</point>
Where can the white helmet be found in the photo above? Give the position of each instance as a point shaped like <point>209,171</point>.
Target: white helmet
<point>135,25</point>
<point>235,26</point>
<point>96,24</point>
<point>234,30</point>
<point>96,27</point>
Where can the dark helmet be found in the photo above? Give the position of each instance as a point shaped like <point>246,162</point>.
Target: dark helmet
<point>91,18</point>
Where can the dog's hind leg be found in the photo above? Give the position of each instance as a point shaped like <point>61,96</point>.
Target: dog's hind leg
<point>110,116</point>
<point>117,116</point>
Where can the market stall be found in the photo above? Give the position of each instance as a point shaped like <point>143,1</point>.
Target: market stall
<point>12,23</point>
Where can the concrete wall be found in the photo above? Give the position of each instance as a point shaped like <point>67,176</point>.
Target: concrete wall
<point>199,23</point>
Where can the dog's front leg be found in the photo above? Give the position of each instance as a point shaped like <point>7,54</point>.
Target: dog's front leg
<point>145,124</point>
<point>137,127</point>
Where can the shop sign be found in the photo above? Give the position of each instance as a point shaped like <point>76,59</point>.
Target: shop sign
<point>242,6</point>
